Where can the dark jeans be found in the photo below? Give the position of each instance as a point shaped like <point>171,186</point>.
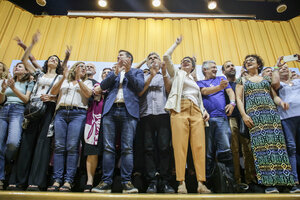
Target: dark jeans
<point>32,164</point>
<point>11,118</point>
<point>157,139</point>
<point>291,127</point>
<point>218,145</point>
<point>69,126</point>
<point>116,118</point>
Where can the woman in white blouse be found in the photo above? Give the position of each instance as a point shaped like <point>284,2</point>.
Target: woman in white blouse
<point>31,167</point>
<point>74,90</point>
<point>187,119</point>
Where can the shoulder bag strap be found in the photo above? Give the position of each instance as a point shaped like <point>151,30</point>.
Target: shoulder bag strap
<point>52,84</point>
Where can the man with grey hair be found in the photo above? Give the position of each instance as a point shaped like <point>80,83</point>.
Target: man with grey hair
<point>155,124</point>
<point>213,90</point>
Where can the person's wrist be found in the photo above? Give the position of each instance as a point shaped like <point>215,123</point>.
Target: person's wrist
<point>2,92</point>
<point>233,103</point>
<point>276,67</point>
<point>79,80</point>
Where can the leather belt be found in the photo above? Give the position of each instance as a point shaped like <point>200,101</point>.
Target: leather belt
<point>70,108</point>
<point>119,105</point>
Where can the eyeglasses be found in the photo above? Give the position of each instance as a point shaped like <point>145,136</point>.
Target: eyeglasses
<point>188,61</point>
<point>81,66</point>
<point>250,60</point>
<point>89,66</point>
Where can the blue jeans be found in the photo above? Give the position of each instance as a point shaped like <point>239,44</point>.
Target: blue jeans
<point>218,144</point>
<point>118,119</point>
<point>11,118</point>
<point>291,127</point>
<point>68,127</point>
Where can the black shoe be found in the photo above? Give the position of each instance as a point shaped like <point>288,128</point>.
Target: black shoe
<point>152,188</point>
<point>102,187</point>
<point>14,188</point>
<point>168,189</point>
<point>128,188</point>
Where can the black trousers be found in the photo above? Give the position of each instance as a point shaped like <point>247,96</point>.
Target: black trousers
<point>31,166</point>
<point>157,141</point>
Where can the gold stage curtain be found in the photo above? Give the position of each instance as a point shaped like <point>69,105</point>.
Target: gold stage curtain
<point>99,39</point>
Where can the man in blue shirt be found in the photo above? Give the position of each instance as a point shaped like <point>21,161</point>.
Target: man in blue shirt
<point>213,90</point>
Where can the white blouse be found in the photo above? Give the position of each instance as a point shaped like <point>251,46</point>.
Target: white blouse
<point>70,95</point>
<point>190,89</point>
<point>43,85</point>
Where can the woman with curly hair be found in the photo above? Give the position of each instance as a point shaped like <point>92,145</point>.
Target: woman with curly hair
<point>33,159</point>
<point>261,117</point>
<point>74,90</point>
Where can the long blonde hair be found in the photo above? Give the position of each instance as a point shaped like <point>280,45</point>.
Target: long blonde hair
<point>72,72</point>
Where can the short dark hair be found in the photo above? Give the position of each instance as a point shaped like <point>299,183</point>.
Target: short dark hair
<point>259,61</point>
<point>59,69</point>
<point>128,54</point>
<point>107,68</point>
<point>267,68</point>
<point>223,66</point>
<point>193,61</point>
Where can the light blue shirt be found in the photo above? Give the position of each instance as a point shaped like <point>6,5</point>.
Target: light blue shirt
<point>22,87</point>
<point>290,95</point>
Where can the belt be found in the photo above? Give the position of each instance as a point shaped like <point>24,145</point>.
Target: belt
<point>70,108</point>
<point>119,104</point>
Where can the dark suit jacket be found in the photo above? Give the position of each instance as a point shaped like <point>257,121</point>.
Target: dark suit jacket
<point>133,83</point>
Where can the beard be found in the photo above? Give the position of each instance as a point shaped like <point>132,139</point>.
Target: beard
<point>231,73</point>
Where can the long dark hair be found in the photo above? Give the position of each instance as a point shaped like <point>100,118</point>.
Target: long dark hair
<point>59,69</point>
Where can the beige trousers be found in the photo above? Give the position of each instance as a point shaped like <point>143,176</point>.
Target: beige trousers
<point>236,141</point>
<point>188,125</point>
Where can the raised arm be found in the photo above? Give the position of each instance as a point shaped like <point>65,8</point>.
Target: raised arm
<point>67,56</point>
<point>167,57</point>
<point>28,66</point>
<point>31,57</point>
<point>167,81</point>
<point>275,75</point>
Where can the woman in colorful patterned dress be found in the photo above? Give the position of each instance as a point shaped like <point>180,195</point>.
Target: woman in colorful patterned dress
<point>261,117</point>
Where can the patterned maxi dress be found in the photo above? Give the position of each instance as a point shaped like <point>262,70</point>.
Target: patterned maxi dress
<point>267,139</point>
